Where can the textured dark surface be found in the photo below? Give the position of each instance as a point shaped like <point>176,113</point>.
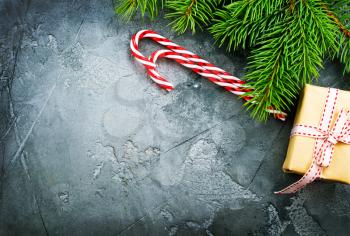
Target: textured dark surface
<point>89,146</point>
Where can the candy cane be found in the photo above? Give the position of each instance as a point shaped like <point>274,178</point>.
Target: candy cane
<point>228,84</point>
<point>189,60</point>
<point>179,50</point>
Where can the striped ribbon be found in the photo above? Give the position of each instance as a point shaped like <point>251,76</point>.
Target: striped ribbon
<point>192,61</point>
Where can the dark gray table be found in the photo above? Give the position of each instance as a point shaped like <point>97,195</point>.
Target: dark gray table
<point>90,146</point>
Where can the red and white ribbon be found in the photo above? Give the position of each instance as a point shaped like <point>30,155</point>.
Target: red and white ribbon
<point>326,138</point>
<point>189,60</point>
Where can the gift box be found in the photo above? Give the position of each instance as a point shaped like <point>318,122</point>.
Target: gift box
<point>310,114</point>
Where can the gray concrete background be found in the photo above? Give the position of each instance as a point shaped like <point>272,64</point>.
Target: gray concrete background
<point>90,146</point>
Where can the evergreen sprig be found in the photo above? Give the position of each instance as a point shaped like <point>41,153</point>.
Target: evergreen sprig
<point>241,23</point>
<point>190,14</point>
<point>340,12</point>
<point>288,39</point>
<point>128,8</point>
<point>344,53</point>
<point>288,55</point>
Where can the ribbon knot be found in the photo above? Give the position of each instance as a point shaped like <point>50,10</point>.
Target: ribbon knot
<point>331,139</point>
<point>325,152</point>
<point>325,140</point>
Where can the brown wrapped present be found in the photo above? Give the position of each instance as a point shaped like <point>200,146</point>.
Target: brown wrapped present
<point>319,144</point>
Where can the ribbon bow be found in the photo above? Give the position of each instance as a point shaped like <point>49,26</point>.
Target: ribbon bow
<point>326,139</point>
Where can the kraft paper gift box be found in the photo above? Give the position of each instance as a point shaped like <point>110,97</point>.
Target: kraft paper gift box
<point>300,150</point>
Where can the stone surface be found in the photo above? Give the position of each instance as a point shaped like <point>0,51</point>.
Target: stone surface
<point>89,146</point>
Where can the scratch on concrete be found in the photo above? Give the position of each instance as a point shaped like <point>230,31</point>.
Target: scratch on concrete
<point>187,140</point>
<point>20,153</point>
<point>198,134</point>
<point>264,158</point>
<point>24,165</point>
<point>144,216</point>
<point>24,141</point>
<point>12,123</point>
<point>41,215</point>
<point>110,60</point>
<point>79,30</point>
<point>75,38</point>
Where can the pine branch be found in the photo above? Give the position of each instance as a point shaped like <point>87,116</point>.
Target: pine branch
<point>340,25</point>
<point>190,14</point>
<point>344,53</point>
<point>340,13</point>
<point>241,23</point>
<point>128,8</point>
<point>266,65</point>
<point>289,55</point>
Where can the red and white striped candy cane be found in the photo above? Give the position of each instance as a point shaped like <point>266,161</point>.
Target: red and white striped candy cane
<point>229,84</point>
<point>189,60</point>
<point>178,51</point>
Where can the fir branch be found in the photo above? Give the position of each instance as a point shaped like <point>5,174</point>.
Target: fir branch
<point>128,8</point>
<point>267,64</point>
<point>241,23</point>
<point>342,27</point>
<point>344,53</point>
<point>288,56</point>
<point>325,30</point>
<point>191,14</point>
<point>340,13</point>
